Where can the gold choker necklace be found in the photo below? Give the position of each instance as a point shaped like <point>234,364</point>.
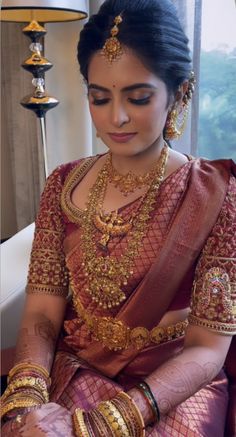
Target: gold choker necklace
<point>129,182</point>
<point>106,275</point>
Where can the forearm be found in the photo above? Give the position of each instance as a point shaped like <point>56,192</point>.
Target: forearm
<point>36,340</point>
<point>178,379</point>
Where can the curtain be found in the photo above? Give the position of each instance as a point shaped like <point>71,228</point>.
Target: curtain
<point>21,161</point>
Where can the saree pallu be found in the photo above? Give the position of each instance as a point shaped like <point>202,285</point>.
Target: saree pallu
<point>180,231</point>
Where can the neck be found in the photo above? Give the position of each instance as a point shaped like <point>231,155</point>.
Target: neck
<point>139,163</point>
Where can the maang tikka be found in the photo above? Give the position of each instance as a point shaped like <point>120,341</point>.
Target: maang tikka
<point>112,49</point>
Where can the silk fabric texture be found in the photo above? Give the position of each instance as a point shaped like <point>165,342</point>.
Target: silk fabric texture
<point>187,209</point>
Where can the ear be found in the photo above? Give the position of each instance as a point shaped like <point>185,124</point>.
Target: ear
<point>183,88</point>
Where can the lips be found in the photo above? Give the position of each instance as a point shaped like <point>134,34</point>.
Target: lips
<point>122,137</point>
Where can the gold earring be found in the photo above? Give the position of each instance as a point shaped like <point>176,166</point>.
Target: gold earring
<point>176,119</point>
<point>175,123</point>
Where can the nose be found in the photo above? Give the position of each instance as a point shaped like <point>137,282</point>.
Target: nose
<point>119,114</point>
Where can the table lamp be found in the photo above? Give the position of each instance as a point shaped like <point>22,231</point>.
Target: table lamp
<point>37,12</point>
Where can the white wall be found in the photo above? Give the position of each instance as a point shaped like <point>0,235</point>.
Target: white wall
<point>69,135</point>
<point>69,128</point>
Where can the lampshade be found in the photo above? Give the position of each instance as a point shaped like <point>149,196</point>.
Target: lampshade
<point>43,10</point>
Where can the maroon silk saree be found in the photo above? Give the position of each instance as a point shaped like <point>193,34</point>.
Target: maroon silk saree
<point>103,351</point>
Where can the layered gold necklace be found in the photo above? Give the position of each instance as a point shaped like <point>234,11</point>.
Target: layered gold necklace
<point>106,275</point>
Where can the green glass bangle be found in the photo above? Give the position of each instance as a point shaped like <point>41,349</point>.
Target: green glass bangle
<point>144,387</point>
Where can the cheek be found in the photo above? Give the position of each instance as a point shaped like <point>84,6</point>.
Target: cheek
<point>97,115</point>
<point>151,118</point>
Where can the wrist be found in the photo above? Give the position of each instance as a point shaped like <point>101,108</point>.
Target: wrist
<point>142,404</point>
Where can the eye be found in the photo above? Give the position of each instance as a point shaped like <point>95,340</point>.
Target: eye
<point>142,101</point>
<point>98,102</point>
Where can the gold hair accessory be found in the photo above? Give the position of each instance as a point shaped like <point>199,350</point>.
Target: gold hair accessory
<point>112,49</point>
<point>176,118</point>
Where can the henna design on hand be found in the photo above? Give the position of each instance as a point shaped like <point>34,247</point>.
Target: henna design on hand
<point>36,343</point>
<point>46,331</point>
<point>50,420</point>
<point>177,381</point>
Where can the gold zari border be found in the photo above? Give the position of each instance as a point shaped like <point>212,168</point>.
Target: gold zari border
<point>72,180</point>
<point>116,335</point>
<point>47,289</point>
<point>223,328</point>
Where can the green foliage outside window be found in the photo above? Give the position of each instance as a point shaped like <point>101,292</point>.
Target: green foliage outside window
<point>217,105</point>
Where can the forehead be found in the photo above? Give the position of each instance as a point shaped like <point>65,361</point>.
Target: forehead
<point>122,72</point>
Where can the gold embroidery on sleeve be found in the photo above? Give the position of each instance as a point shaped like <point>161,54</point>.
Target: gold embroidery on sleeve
<point>47,271</point>
<point>213,302</point>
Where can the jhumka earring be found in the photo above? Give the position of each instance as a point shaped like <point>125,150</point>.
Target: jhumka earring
<point>176,119</point>
<point>112,49</point>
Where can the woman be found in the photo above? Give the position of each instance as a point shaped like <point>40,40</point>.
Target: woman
<point>142,238</point>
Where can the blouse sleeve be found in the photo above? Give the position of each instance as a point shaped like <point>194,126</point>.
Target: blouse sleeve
<point>47,271</point>
<point>213,301</point>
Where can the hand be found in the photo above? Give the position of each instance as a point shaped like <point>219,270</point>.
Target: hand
<point>50,420</point>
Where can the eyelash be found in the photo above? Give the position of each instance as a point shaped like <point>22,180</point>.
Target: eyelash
<point>140,102</point>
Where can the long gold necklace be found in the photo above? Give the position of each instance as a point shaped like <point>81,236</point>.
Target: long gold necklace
<point>106,275</point>
<point>129,182</point>
<point>111,225</point>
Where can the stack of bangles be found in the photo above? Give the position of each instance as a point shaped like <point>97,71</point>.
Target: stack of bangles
<point>28,386</point>
<point>118,417</point>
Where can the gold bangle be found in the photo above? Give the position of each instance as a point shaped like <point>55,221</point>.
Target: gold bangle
<point>128,415</point>
<point>114,419</point>
<point>134,408</point>
<point>88,425</point>
<point>38,384</point>
<point>25,366</point>
<point>79,424</point>
<point>30,374</point>
<point>100,423</point>
<point>24,394</point>
<point>17,403</point>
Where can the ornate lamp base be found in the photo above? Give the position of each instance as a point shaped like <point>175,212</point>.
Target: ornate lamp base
<point>39,102</point>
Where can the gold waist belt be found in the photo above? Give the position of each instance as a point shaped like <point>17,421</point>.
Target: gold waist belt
<point>115,335</point>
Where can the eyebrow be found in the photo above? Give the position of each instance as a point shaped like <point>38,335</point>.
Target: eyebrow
<point>135,86</point>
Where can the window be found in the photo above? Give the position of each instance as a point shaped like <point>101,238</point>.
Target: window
<point>217,91</point>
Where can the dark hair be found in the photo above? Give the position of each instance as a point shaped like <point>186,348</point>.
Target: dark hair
<point>150,28</point>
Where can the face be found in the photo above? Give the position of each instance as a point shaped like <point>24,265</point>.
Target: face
<point>128,104</point>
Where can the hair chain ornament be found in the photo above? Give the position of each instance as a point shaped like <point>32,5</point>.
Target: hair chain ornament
<point>106,275</point>
<point>112,49</point>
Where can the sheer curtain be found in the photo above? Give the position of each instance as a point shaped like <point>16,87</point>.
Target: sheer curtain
<point>21,176</point>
